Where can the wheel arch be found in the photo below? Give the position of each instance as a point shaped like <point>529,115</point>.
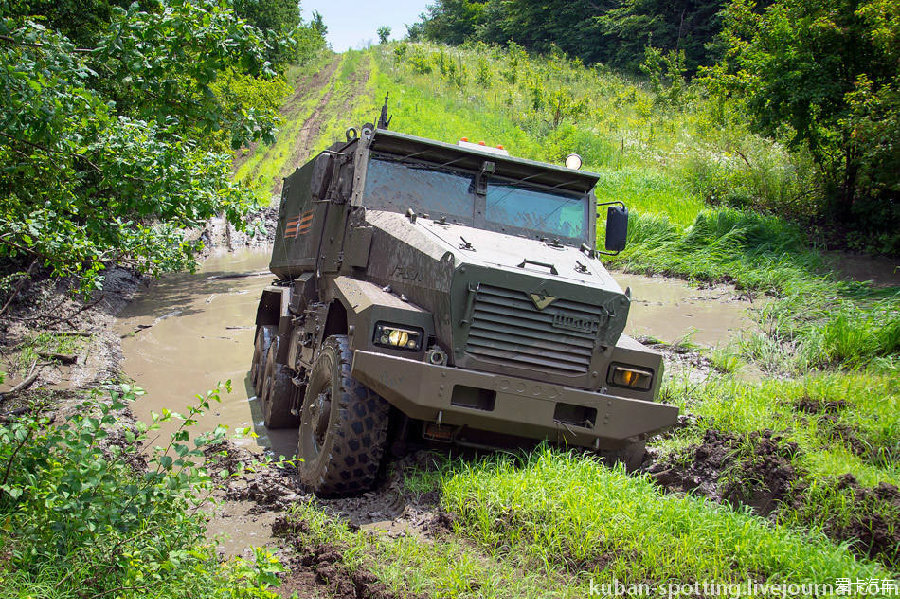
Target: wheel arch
<point>337,322</point>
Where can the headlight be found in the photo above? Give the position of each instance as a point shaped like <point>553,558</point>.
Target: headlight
<point>630,376</point>
<point>398,336</point>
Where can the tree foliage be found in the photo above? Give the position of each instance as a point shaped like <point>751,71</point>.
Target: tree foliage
<point>825,76</point>
<point>277,20</point>
<point>108,152</point>
<point>608,31</point>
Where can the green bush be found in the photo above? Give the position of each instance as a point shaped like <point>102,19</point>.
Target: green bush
<point>87,512</point>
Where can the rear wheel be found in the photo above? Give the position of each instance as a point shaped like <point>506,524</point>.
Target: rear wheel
<point>343,426</point>
<point>279,393</point>
<point>264,336</point>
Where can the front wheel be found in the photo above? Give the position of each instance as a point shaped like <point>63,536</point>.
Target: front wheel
<point>343,426</point>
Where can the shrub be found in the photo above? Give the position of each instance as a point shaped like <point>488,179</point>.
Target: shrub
<point>87,511</point>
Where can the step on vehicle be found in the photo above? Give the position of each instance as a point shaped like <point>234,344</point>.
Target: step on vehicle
<point>430,291</point>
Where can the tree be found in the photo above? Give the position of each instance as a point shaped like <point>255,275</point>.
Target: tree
<point>277,20</point>
<point>609,31</point>
<point>383,34</point>
<point>108,153</point>
<point>824,76</point>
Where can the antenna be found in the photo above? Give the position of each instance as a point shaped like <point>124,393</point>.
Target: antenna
<point>384,120</point>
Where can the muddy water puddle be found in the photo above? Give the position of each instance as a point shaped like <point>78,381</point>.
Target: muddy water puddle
<point>188,332</point>
<point>672,310</point>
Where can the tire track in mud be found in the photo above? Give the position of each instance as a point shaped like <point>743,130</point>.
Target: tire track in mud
<point>309,132</point>
<point>305,88</point>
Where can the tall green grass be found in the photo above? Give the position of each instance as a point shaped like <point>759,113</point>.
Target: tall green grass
<point>555,524</point>
<point>816,321</point>
<point>565,511</point>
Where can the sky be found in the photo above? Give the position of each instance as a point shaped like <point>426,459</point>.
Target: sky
<point>352,23</point>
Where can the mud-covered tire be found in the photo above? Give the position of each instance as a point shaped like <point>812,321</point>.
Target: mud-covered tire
<point>279,393</point>
<point>264,336</point>
<point>631,456</point>
<point>343,426</point>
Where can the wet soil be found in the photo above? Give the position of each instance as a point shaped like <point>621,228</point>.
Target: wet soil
<point>871,524</point>
<point>49,306</point>
<point>755,469</point>
<point>685,364</point>
<point>318,569</point>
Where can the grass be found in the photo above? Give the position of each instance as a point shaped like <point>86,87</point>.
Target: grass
<point>262,166</point>
<point>567,511</point>
<point>331,94</point>
<point>447,566</point>
<point>866,403</point>
<point>555,524</point>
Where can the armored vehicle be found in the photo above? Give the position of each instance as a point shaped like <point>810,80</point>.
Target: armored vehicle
<point>453,293</point>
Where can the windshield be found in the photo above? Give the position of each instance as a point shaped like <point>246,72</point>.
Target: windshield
<point>509,206</point>
<point>396,186</point>
<point>554,214</point>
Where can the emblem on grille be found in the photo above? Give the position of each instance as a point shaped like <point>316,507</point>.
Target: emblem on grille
<point>582,324</point>
<point>541,299</point>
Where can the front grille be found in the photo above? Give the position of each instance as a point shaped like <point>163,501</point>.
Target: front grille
<point>508,328</point>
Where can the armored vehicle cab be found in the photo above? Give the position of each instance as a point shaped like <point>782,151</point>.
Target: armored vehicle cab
<point>445,292</point>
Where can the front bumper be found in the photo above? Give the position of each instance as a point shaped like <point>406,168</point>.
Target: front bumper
<point>512,406</point>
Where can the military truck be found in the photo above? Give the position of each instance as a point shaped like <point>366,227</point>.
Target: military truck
<point>441,292</point>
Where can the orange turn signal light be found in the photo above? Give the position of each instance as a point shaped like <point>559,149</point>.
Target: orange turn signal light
<point>631,377</point>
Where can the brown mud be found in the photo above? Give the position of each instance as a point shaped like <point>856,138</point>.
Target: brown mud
<point>872,525</point>
<point>755,469</point>
<point>318,569</point>
<point>185,333</point>
<point>674,311</point>
<point>49,306</point>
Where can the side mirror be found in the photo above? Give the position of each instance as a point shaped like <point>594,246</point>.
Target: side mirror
<point>616,228</point>
<point>321,176</point>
